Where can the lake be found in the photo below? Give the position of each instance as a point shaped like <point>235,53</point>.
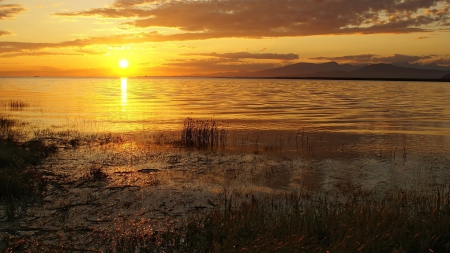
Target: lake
<point>380,132</point>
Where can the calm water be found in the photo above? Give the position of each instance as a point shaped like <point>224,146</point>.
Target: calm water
<point>368,124</point>
<point>119,105</point>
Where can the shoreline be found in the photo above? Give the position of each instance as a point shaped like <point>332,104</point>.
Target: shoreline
<point>109,192</point>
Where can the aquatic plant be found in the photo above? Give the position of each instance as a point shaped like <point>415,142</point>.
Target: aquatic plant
<point>203,134</point>
<point>17,105</point>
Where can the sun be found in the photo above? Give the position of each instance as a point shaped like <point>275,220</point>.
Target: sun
<point>123,63</point>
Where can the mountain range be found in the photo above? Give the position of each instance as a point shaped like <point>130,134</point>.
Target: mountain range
<point>331,70</point>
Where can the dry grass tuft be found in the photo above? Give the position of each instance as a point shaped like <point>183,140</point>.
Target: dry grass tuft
<point>17,105</point>
<point>203,134</point>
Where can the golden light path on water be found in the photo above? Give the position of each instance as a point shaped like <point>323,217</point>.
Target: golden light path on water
<point>124,87</point>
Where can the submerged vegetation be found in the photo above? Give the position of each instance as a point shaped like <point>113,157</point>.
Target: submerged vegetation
<point>350,220</point>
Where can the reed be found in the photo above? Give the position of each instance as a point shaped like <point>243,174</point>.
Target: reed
<point>20,181</point>
<point>17,105</point>
<point>203,134</point>
<point>7,128</point>
<point>6,123</point>
<point>357,221</point>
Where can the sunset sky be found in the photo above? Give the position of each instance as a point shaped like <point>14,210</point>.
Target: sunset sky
<point>179,37</point>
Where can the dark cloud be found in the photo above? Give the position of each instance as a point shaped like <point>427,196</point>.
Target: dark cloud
<point>421,38</point>
<point>269,18</point>
<point>3,33</point>
<point>371,58</point>
<point>10,10</point>
<point>246,55</point>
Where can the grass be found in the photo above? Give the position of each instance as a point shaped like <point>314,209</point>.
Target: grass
<point>393,221</point>
<point>375,221</point>
<point>15,105</point>
<point>203,134</point>
<point>7,126</point>
<point>19,179</point>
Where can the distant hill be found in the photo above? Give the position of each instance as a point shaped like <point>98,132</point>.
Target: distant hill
<point>335,70</point>
<point>420,66</point>
<point>446,77</point>
<point>303,69</point>
<point>390,71</point>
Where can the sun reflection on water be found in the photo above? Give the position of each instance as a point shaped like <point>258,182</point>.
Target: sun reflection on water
<point>124,87</point>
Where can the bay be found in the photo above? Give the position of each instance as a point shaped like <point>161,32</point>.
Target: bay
<point>369,132</point>
<point>129,104</point>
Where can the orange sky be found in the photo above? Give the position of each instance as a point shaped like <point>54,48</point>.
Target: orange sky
<point>178,37</point>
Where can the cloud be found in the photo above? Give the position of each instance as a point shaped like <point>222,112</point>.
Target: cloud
<point>114,40</point>
<point>361,58</point>
<point>53,71</point>
<point>421,38</point>
<point>268,18</point>
<point>187,47</point>
<point>132,3</point>
<point>211,65</point>
<point>9,47</point>
<point>400,58</point>
<point>442,61</point>
<point>371,58</point>
<point>90,52</point>
<point>10,10</point>
<point>246,55</point>
<point>3,33</point>
<point>109,13</point>
<point>12,55</point>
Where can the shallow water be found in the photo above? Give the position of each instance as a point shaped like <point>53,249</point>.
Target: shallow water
<point>369,132</point>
